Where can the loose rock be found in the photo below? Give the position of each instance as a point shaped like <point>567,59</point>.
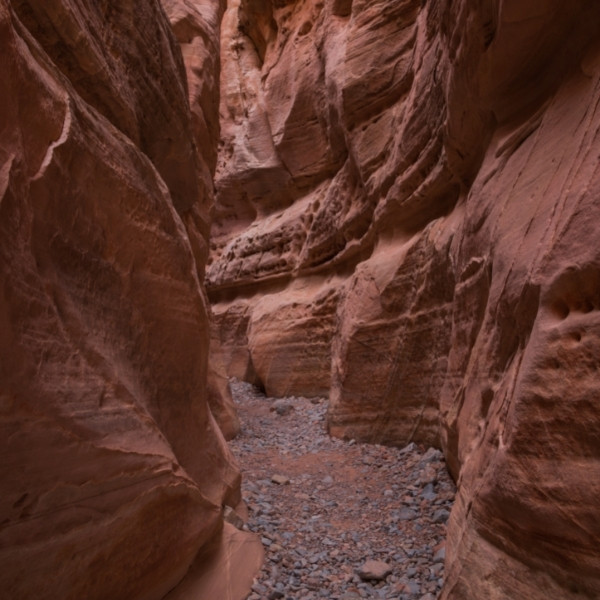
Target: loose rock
<point>374,570</point>
<point>230,516</point>
<point>282,407</point>
<point>280,479</point>
<point>350,505</point>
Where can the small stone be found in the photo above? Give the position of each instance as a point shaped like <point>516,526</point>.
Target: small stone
<point>374,570</point>
<point>410,448</point>
<point>413,588</point>
<point>440,516</point>
<point>431,455</point>
<point>259,589</point>
<point>440,555</point>
<point>406,514</point>
<point>428,492</point>
<point>428,475</point>
<point>230,516</point>
<point>282,408</point>
<point>280,479</point>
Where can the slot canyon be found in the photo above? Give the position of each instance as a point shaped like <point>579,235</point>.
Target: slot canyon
<point>223,222</point>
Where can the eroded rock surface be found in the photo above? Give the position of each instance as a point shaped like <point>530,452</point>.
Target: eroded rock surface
<point>113,470</point>
<point>431,168</point>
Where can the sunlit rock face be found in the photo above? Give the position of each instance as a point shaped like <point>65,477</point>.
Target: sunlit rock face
<point>113,470</point>
<point>407,200</point>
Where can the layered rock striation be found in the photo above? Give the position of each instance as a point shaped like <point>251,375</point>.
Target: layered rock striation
<point>113,469</point>
<point>407,195</point>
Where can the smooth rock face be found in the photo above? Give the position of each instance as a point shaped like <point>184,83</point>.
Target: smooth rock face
<point>196,27</point>
<point>278,339</point>
<point>112,469</point>
<point>219,395</point>
<point>432,169</point>
<point>226,571</point>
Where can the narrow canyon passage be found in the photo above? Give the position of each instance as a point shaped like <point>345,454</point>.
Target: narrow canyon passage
<point>394,204</point>
<point>324,507</point>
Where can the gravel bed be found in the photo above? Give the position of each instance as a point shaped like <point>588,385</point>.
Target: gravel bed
<point>325,509</point>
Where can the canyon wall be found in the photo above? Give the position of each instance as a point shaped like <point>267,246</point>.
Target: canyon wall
<point>196,27</point>
<point>408,195</point>
<point>113,471</point>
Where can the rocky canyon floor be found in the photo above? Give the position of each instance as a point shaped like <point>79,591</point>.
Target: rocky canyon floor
<point>338,519</point>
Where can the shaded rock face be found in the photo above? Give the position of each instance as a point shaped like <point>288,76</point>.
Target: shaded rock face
<point>113,470</point>
<point>407,195</point>
<point>196,27</point>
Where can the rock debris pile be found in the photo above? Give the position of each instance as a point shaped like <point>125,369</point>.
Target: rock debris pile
<point>338,520</point>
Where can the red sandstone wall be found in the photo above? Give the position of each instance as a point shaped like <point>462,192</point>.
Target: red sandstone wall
<point>407,200</point>
<point>113,472</point>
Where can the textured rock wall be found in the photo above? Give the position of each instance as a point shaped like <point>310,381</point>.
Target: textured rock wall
<point>113,472</point>
<point>518,407</point>
<point>406,199</point>
<point>196,27</point>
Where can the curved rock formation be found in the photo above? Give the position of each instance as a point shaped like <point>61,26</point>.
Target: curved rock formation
<point>113,470</point>
<point>196,27</point>
<point>406,200</point>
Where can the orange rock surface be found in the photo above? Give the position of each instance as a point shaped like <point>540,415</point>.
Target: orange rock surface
<point>113,471</point>
<point>407,207</point>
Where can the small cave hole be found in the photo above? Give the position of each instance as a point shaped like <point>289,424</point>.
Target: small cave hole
<point>305,28</point>
<point>573,587</point>
<point>561,310</point>
<point>587,306</point>
<point>489,33</point>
